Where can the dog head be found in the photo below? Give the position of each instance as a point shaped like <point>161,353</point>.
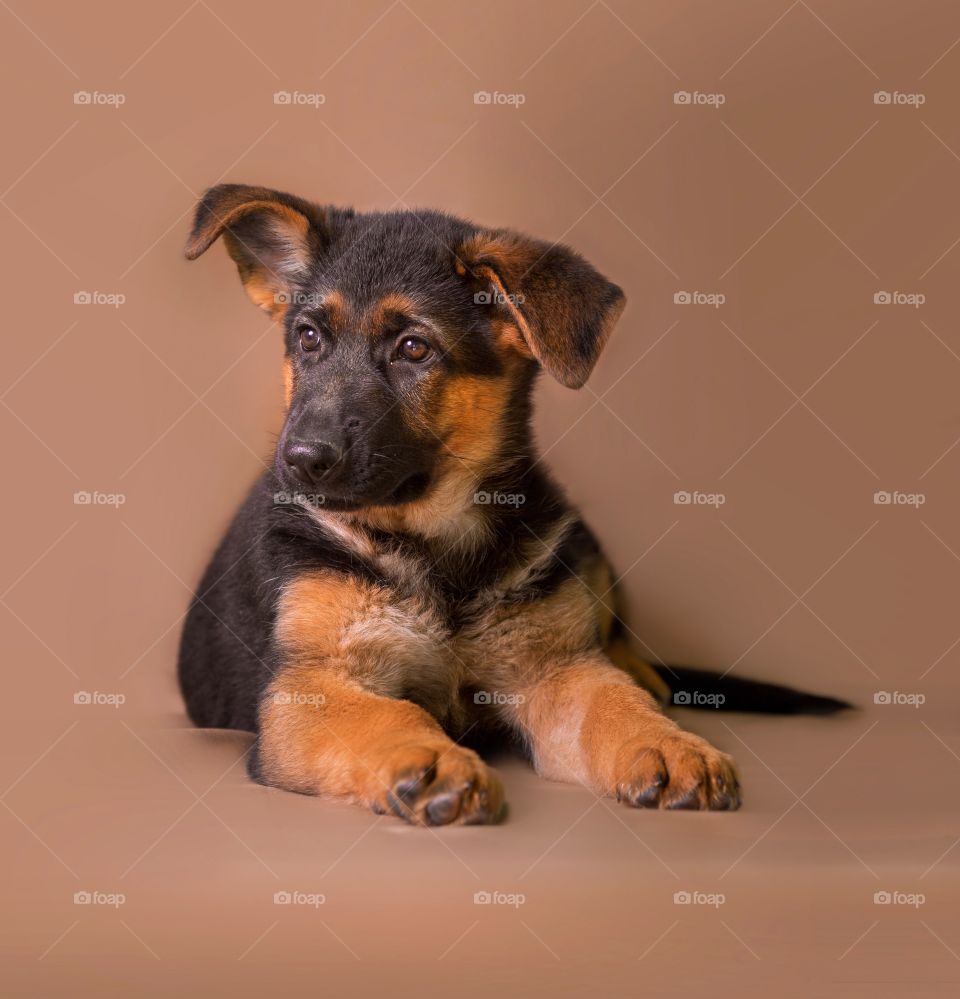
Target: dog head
<point>412,338</point>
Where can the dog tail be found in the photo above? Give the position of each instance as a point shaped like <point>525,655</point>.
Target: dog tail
<point>702,688</point>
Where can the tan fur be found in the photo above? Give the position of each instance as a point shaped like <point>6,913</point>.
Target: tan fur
<point>313,723</point>
<point>333,721</point>
<point>393,303</point>
<point>446,514</point>
<point>372,635</point>
<point>337,312</point>
<point>264,292</point>
<point>469,417</point>
<point>323,734</point>
<point>510,250</point>
<point>287,383</point>
<point>522,339</point>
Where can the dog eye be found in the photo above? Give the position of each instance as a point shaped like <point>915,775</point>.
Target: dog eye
<point>412,348</point>
<point>309,338</point>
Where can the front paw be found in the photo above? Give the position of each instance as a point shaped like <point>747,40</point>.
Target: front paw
<point>676,770</point>
<point>437,786</point>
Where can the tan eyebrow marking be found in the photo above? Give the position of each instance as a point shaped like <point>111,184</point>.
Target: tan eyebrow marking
<point>394,302</point>
<point>335,308</point>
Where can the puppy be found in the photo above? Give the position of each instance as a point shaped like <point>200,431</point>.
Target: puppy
<point>407,580</point>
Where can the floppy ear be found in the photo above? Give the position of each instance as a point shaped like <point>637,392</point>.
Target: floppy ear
<point>562,307</point>
<point>271,236</point>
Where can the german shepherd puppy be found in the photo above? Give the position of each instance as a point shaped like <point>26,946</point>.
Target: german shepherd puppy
<point>407,577</point>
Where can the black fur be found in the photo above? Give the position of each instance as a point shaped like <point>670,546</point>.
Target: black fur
<point>739,694</point>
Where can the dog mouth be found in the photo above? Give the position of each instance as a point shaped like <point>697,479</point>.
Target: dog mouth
<point>410,488</point>
<point>344,499</point>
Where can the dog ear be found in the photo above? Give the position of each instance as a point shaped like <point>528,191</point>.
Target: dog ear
<point>563,309</point>
<point>272,237</point>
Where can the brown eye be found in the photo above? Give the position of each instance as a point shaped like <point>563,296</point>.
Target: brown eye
<point>412,348</point>
<point>309,338</point>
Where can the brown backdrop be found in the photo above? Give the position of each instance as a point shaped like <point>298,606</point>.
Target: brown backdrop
<point>753,222</point>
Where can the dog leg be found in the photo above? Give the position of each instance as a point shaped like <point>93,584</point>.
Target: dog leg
<point>323,734</point>
<point>332,720</point>
<point>587,722</point>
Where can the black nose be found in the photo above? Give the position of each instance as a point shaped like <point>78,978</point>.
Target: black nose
<point>310,460</point>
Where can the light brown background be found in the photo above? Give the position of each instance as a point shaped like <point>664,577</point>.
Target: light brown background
<point>798,199</point>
